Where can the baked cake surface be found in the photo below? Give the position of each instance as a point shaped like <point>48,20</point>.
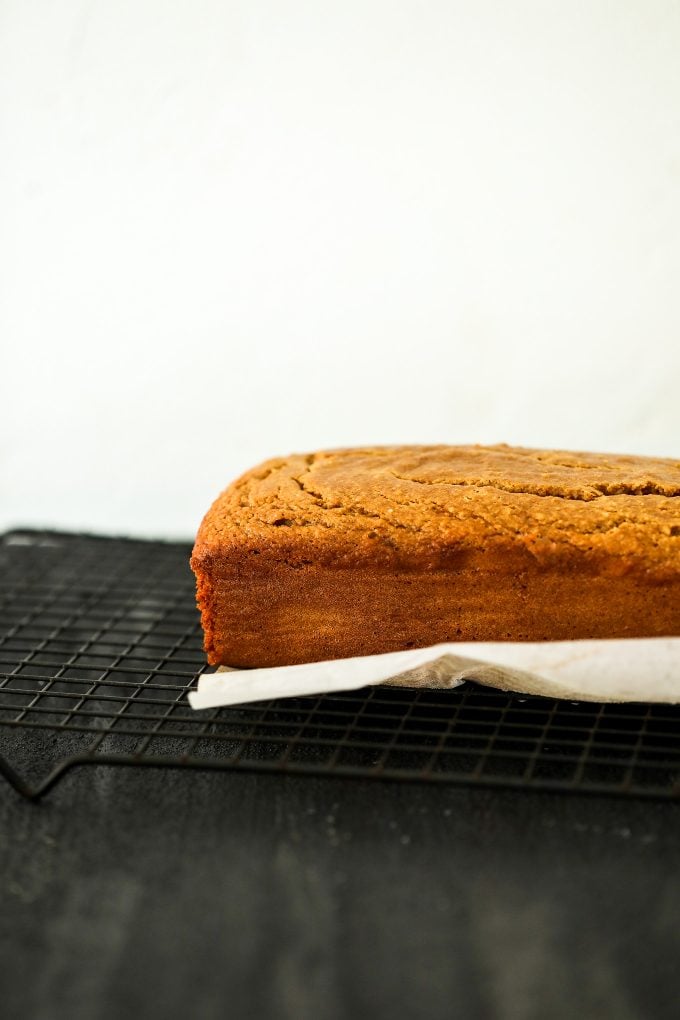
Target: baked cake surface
<point>358,551</point>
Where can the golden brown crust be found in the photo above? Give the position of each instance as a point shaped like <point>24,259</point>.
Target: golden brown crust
<point>354,551</point>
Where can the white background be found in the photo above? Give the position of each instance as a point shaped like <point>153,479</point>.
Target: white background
<point>233,230</point>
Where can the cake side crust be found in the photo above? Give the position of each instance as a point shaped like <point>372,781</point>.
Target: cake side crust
<point>284,614</point>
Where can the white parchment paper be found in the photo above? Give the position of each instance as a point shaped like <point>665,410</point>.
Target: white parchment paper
<point>632,669</point>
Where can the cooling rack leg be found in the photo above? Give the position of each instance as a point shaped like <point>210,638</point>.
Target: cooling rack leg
<point>34,793</point>
<point>15,780</point>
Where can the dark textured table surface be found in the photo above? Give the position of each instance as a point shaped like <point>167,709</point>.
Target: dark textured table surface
<point>157,893</point>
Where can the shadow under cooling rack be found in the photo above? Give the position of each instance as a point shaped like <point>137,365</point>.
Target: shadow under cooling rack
<point>100,642</point>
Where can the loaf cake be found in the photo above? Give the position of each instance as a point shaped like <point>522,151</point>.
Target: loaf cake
<point>359,551</point>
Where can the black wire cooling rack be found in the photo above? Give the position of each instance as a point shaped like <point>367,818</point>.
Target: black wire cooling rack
<point>100,642</point>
